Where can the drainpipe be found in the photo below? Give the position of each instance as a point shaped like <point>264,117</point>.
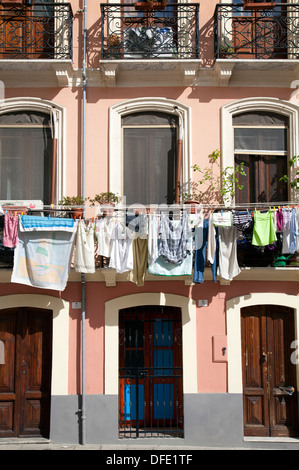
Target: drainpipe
<point>179,156</point>
<point>83,405</point>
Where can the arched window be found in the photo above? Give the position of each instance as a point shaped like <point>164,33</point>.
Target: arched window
<point>31,151</point>
<point>261,143</point>
<point>144,137</point>
<point>262,132</point>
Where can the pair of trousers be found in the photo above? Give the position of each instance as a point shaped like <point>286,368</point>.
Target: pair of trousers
<point>201,244</point>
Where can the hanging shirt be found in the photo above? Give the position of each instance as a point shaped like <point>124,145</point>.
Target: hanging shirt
<point>263,229</point>
<point>153,235</point>
<point>121,257</point>
<point>104,235</point>
<point>286,234</point>
<point>175,239</point>
<point>84,261</point>
<point>228,263</point>
<point>242,220</point>
<point>222,219</point>
<point>10,231</point>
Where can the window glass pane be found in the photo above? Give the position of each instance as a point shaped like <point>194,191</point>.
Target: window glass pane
<point>257,139</point>
<point>261,183</point>
<point>260,118</point>
<point>149,164</point>
<point>25,163</point>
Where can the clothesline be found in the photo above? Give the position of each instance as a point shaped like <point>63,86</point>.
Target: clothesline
<point>153,243</point>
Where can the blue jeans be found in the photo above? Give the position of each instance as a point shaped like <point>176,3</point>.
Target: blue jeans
<point>201,233</point>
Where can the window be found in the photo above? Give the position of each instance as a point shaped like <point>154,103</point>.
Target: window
<point>26,156</point>
<point>261,142</point>
<point>267,117</point>
<point>159,116</point>
<point>149,157</point>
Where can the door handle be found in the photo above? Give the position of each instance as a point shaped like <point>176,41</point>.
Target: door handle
<point>287,390</point>
<point>264,357</point>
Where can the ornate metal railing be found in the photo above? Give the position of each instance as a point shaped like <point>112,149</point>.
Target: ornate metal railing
<point>132,33</point>
<point>271,33</point>
<point>41,31</point>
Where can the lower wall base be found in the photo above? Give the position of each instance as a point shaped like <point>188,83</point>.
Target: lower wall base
<point>209,420</point>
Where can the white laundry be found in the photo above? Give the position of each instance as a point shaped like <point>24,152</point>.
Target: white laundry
<point>228,263</point>
<point>121,257</point>
<point>153,234</point>
<point>84,261</point>
<point>105,235</point>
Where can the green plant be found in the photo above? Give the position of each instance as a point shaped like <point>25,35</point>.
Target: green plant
<point>294,182</point>
<point>72,201</point>
<point>104,198</point>
<point>216,184</point>
<point>225,50</point>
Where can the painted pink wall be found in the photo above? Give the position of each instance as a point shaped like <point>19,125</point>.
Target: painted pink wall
<point>211,321</point>
<point>205,103</point>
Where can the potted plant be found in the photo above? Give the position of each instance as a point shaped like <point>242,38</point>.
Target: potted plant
<point>114,46</point>
<point>215,185</point>
<point>225,51</point>
<point>73,202</point>
<point>105,199</point>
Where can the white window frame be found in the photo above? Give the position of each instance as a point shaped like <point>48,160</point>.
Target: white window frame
<point>48,107</point>
<point>274,105</point>
<point>115,137</point>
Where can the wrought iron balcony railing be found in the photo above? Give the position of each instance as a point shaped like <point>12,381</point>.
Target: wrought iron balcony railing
<point>41,31</point>
<point>270,33</point>
<point>132,32</point>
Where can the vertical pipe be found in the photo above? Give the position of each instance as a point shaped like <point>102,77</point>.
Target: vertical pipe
<point>54,162</point>
<point>83,404</point>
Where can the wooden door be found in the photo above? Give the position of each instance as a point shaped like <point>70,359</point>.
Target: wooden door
<point>25,372</point>
<point>26,33</point>
<point>267,334</point>
<point>260,33</point>
<point>150,375</point>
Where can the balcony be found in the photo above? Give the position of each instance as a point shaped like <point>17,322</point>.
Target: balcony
<point>265,263</point>
<point>161,38</point>
<point>257,39</point>
<point>34,39</point>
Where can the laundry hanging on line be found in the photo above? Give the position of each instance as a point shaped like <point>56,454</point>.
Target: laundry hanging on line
<point>169,248</point>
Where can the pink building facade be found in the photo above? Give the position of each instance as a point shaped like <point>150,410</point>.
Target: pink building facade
<point>170,359</point>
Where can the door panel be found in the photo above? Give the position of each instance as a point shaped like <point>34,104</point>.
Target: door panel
<point>267,334</point>
<point>25,377</point>
<point>27,32</point>
<point>150,374</point>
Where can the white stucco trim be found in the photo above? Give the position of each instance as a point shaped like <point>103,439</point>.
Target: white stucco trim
<point>115,136</point>
<point>60,343</point>
<point>233,321</point>
<point>188,308</point>
<point>44,106</point>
